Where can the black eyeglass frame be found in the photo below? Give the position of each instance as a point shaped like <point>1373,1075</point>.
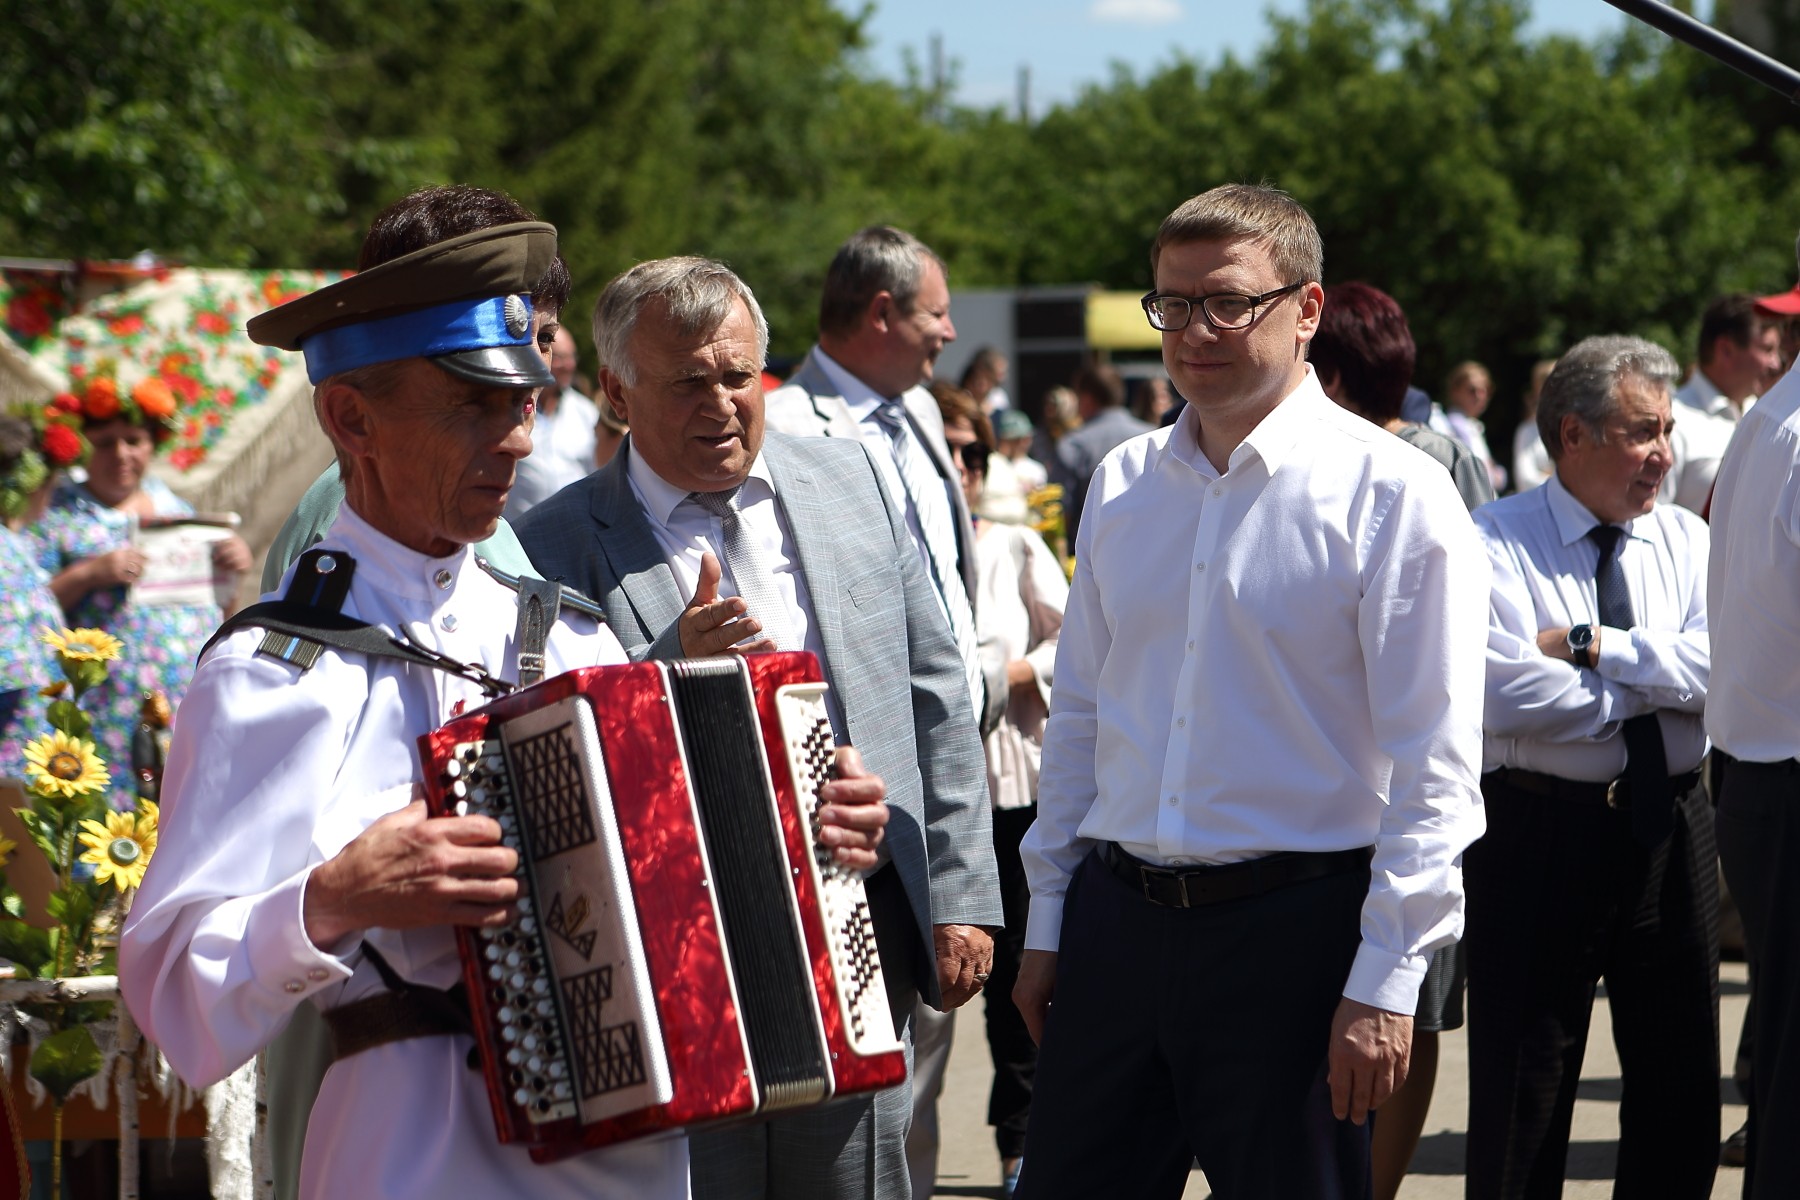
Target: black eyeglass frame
<point>1200,302</point>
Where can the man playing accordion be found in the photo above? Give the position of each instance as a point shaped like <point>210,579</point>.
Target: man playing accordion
<point>297,863</point>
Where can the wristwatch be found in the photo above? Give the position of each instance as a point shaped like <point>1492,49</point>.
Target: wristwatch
<point>1581,645</point>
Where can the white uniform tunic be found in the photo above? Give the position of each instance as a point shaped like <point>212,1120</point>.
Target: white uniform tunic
<point>272,771</point>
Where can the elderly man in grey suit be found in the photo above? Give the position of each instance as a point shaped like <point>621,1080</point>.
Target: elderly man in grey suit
<point>701,536</point>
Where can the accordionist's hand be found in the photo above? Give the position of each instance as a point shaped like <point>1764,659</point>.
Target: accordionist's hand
<point>855,812</point>
<point>408,871</point>
<point>710,626</point>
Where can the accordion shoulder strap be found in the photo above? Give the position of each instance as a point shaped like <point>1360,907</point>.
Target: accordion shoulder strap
<point>406,1010</point>
<point>307,619</point>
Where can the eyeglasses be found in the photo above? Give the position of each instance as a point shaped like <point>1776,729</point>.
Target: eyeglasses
<point>1222,310</point>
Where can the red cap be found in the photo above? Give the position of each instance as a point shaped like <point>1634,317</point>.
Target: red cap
<point>1782,304</point>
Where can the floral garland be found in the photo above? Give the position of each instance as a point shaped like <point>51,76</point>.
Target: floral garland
<point>58,445</point>
<point>99,397</point>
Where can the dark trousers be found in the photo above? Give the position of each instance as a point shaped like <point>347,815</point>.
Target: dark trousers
<point>1178,1034</point>
<point>1759,846</point>
<point>1560,895</point>
<point>1009,1042</point>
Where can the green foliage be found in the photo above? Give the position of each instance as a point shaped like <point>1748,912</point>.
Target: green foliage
<point>1514,193</point>
<point>64,1059</point>
<point>25,946</point>
<point>64,715</point>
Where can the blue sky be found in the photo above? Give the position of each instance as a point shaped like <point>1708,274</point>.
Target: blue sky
<point>1069,43</point>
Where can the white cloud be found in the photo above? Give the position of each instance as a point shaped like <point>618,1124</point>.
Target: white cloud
<point>1137,12</point>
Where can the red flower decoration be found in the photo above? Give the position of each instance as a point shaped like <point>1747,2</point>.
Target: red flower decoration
<point>154,398</point>
<point>27,316</point>
<point>102,400</point>
<point>65,402</point>
<point>62,445</point>
<point>213,323</point>
<point>125,326</point>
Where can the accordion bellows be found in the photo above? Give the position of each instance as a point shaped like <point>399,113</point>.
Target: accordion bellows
<point>686,951</point>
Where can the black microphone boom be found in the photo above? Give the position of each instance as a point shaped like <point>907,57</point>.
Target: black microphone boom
<point>1705,38</point>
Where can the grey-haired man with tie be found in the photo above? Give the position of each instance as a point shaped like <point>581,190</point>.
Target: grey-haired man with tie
<point>703,535</point>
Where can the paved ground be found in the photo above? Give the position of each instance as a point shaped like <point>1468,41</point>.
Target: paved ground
<point>968,1166</point>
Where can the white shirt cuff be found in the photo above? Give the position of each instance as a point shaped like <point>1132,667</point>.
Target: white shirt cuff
<point>1386,980</point>
<point>1043,924</point>
<point>283,960</point>
<point>1618,653</point>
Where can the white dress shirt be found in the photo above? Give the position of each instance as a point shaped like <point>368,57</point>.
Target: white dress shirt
<point>1531,461</point>
<point>1703,395</point>
<point>271,772</point>
<point>562,452</point>
<point>685,531</point>
<point>1754,584</point>
<point>1546,714</point>
<point>1284,657</point>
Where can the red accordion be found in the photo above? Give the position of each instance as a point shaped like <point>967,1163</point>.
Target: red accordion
<point>685,951</point>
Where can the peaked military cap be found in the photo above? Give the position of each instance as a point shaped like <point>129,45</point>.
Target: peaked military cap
<point>463,303</point>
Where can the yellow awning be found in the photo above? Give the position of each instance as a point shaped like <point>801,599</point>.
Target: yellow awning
<point>1115,321</point>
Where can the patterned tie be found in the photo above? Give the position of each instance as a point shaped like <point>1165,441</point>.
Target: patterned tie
<point>749,568</point>
<point>1646,764</point>
<point>937,519</point>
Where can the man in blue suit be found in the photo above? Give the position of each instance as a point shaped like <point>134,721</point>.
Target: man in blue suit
<point>703,535</point>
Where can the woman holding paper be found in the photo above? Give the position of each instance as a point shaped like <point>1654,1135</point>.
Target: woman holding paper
<point>87,541</point>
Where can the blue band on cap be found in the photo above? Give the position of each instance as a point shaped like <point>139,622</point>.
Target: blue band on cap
<point>442,329</point>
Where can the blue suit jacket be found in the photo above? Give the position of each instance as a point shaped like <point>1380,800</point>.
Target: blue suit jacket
<point>888,654</point>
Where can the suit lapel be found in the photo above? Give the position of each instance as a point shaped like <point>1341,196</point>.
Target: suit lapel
<point>632,553</point>
<point>828,405</point>
<point>811,521</point>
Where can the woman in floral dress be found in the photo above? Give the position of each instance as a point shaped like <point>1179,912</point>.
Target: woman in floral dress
<point>85,542</point>
<point>26,604</point>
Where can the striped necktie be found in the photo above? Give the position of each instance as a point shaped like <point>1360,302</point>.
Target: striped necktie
<point>749,567</point>
<point>925,491</point>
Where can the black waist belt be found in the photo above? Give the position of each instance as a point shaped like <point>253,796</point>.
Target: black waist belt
<point>395,1017</point>
<point>1192,887</point>
<point>1787,766</point>
<point>1616,794</point>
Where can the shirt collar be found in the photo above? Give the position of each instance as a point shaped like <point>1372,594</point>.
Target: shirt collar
<point>661,498</point>
<point>391,567</point>
<point>1271,440</point>
<point>861,399</point>
<point>1709,396</point>
<point>1573,520</point>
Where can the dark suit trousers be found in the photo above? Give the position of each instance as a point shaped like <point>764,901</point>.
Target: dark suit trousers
<point>1179,1034</point>
<point>1560,895</point>
<point>1009,1042</point>
<point>1759,845</point>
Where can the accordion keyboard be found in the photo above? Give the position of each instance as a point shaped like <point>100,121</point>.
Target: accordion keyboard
<point>518,983</point>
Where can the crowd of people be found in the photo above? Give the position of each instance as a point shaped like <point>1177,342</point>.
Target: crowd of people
<point>1222,804</point>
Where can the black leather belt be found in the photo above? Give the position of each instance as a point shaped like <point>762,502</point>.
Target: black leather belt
<point>1193,887</point>
<point>1615,794</point>
<point>395,1017</point>
<point>1787,766</point>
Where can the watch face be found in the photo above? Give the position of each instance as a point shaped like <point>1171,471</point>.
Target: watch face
<point>1581,637</point>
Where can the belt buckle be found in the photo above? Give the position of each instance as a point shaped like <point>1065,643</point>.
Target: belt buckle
<point>1613,798</point>
<point>1148,873</point>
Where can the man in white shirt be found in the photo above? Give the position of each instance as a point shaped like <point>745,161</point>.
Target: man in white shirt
<point>296,863</point>
<point>1599,857</point>
<point>1753,717</point>
<point>1260,765</point>
<point>798,537</point>
<point>1740,356</point>
<point>562,439</point>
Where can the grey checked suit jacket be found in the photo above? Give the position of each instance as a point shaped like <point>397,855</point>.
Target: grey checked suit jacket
<point>809,405</point>
<point>888,653</point>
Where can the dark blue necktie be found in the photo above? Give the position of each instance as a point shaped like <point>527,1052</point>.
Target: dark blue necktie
<point>1646,764</point>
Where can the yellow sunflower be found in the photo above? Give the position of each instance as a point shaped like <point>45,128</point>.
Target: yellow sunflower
<point>120,849</point>
<point>57,763</point>
<point>7,846</point>
<point>84,645</point>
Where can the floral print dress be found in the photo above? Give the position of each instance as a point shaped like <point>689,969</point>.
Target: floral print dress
<point>26,664</point>
<point>161,642</point>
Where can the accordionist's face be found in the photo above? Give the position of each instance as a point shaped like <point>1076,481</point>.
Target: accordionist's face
<point>696,409</point>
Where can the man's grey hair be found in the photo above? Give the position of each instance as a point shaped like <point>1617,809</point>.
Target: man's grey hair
<point>379,382</point>
<point>1585,383</point>
<point>697,293</point>
<point>874,260</point>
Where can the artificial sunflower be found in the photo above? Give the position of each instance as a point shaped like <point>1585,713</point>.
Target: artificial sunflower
<point>120,849</point>
<point>84,645</point>
<point>7,846</point>
<point>57,763</point>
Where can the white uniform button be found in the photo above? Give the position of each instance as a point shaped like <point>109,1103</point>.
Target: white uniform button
<point>1172,801</point>
<point>295,986</point>
<point>442,579</point>
<point>1199,566</point>
<point>1218,491</point>
<point>318,974</point>
<point>449,622</point>
<point>1181,722</point>
<point>1190,647</point>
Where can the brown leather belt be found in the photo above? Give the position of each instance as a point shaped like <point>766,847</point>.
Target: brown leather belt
<point>1194,887</point>
<point>394,1017</point>
<point>1614,794</point>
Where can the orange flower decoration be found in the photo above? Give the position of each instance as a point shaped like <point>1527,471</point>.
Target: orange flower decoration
<point>102,400</point>
<point>155,398</point>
